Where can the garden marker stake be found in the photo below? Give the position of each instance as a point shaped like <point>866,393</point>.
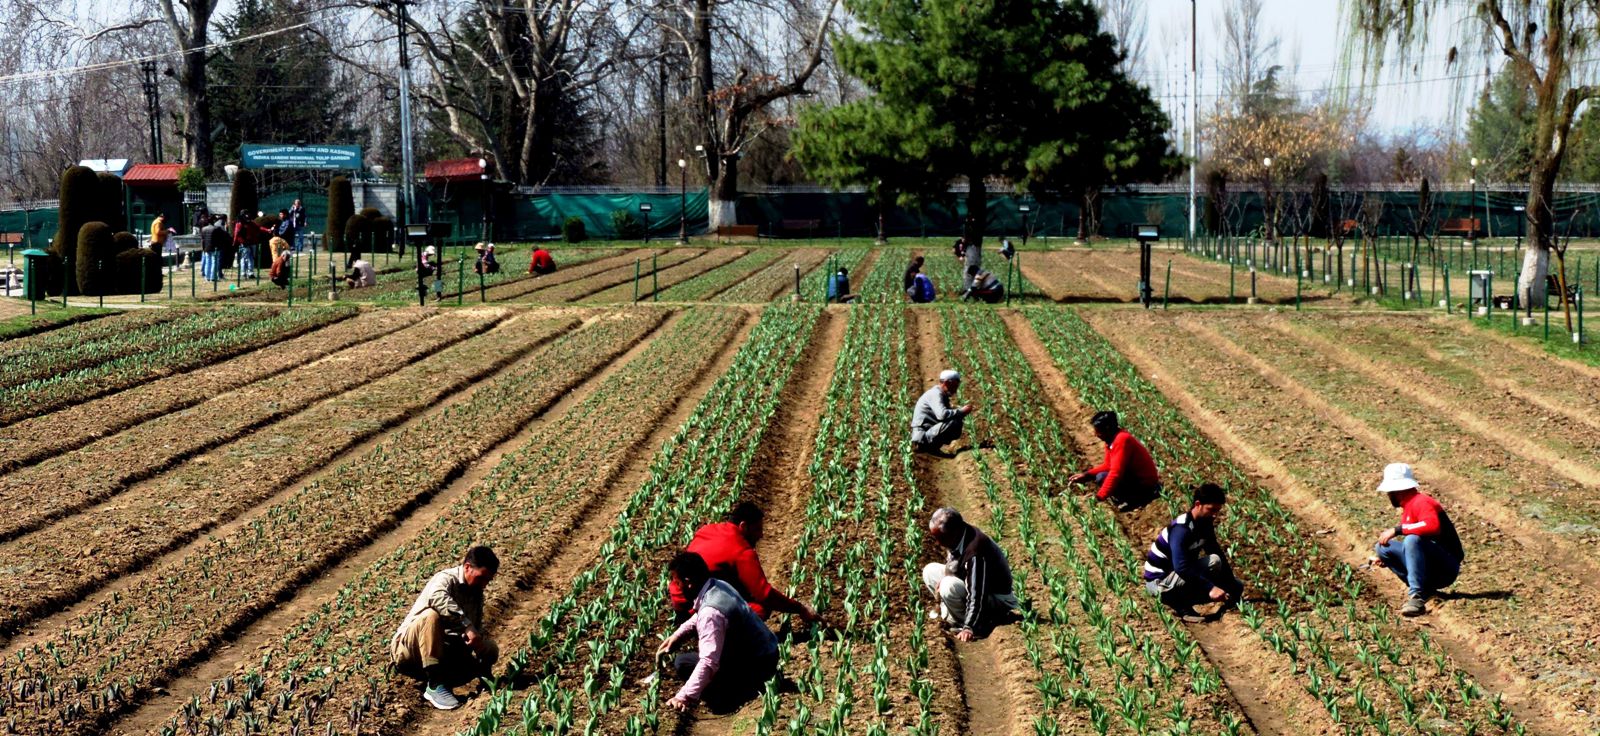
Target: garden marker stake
<point>144,271</point>
<point>100,268</point>
<point>655,288</point>
<point>1166,290</point>
<point>636,280</point>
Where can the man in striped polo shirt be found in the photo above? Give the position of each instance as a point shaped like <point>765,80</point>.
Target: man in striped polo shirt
<point>1186,564</point>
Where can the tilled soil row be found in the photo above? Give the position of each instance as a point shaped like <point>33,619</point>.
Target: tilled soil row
<point>123,534</point>
<point>1262,682</point>
<point>624,259</point>
<point>514,270</point>
<point>614,609</point>
<point>33,440</point>
<point>767,283</point>
<point>1316,454</point>
<point>721,278</point>
<point>1550,452</point>
<point>665,278</point>
<point>575,289</point>
<point>90,475</point>
<point>61,390</point>
<point>30,366</point>
<point>78,333</point>
<point>1072,276</point>
<point>524,509</point>
<point>132,641</point>
<point>1134,637</point>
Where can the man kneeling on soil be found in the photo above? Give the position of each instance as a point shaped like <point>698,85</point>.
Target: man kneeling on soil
<point>737,653</point>
<point>973,584</point>
<point>1186,566</point>
<point>1424,550</point>
<point>443,634</point>
<point>728,549</point>
<point>1127,477</point>
<point>936,423</point>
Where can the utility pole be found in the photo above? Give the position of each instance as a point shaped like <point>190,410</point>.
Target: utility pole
<point>406,200</point>
<point>1194,110</point>
<point>152,107</point>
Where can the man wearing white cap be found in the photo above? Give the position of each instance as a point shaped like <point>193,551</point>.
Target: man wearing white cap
<point>936,423</point>
<point>1423,549</point>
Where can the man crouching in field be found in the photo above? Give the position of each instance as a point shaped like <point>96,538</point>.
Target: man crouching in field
<point>973,584</point>
<point>443,635</point>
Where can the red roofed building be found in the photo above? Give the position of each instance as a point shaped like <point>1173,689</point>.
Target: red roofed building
<point>453,170</point>
<point>152,175</point>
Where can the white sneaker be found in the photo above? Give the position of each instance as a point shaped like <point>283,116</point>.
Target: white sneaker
<point>440,697</point>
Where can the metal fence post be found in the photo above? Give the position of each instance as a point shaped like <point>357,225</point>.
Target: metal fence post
<point>636,279</point>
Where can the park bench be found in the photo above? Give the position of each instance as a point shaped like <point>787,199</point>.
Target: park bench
<point>1464,226</point>
<point>1349,226</point>
<point>737,232</point>
<point>796,226</point>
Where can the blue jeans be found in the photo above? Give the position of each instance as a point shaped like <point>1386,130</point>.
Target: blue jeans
<point>1422,563</point>
<point>299,241</point>
<point>210,266</point>
<point>247,261</point>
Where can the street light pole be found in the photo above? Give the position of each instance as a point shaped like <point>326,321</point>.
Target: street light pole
<point>1024,210</point>
<point>683,202</point>
<point>1472,199</point>
<point>1266,165</point>
<point>1194,83</point>
<point>644,208</point>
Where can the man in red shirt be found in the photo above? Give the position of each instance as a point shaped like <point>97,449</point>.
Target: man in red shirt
<point>1127,477</point>
<point>542,263</point>
<point>1423,549</point>
<point>728,548</point>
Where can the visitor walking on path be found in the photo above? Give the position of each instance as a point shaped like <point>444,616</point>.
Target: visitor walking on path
<point>541,263</point>
<point>728,550</point>
<point>247,237</point>
<point>839,287</point>
<point>935,423</point>
<point>973,585</point>
<point>1423,550</point>
<point>297,221</point>
<point>211,236</point>
<point>1127,477</point>
<point>1186,565</point>
<point>202,218</point>
<point>736,653</point>
<point>159,233</point>
<point>443,636</point>
<point>361,274</point>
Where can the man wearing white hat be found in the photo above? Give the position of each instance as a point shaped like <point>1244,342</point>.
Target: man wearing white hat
<point>1423,549</point>
<point>936,423</point>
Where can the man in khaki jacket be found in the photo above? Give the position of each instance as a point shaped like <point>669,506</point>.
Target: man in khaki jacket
<point>443,634</point>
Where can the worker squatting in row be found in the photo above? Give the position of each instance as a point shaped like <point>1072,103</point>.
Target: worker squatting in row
<point>720,598</point>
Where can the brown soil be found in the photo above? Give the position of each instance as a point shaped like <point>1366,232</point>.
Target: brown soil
<point>32,440</point>
<point>244,650</point>
<point>1310,468</point>
<point>666,277</point>
<point>989,673</point>
<point>581,271</point>
<point>1064,276</point>
<point>157,515</point>
<point>578,289</point>
<point>1259,681</point>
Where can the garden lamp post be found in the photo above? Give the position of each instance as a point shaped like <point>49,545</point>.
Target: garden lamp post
<point>483,177</point>
<point>1472,199</point>
<point>1024,209</point>
<point>1266,168</point>
<point>683,202</point>
<point>644,209</point>
<point>232,170</point>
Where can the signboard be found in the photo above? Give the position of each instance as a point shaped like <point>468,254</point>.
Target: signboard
<point>269,156</point>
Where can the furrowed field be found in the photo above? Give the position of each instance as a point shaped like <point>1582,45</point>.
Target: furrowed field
<point>216,510</point>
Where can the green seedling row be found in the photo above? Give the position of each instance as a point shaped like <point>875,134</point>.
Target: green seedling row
<point>718,279</point>
<point>777,278</point>
<point>21,367</point>
<point>1350,651</point>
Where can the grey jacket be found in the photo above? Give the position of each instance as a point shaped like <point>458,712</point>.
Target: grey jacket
<point>932,409</point>
<point>460,606</point>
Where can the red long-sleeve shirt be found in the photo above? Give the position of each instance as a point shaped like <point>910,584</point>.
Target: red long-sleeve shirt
<point>1126,462</point>
<point>1423,516</point>
<point>541,261</point>
<point>730,558</point>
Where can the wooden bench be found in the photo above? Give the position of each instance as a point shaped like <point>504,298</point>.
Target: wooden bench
<point>794,226</point>
<point>11,240</point>
<point>1464,226</point>
<point>1349,226</point>
<point>738,232</point>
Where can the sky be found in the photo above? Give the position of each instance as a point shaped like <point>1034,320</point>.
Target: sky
<point>1312,34</point>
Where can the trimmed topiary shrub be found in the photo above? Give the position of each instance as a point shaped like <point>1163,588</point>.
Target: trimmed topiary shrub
<point>130,263</point>
<point>111,200</point>
<point>382,232</point>
<point>96,260</point>
<point>245,198</point>
<point>357,233</point>
<point>341,205</point>
<point>573,230</point>
<point>625,226</point>
<point>79,184</point>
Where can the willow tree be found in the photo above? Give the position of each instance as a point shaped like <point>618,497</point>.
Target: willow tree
<point>1021,91</point>
<point>1544,44</point>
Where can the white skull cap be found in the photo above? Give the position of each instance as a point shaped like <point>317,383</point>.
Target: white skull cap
<point>948,375</point>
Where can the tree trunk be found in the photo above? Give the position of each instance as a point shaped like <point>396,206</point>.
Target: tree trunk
<point>725,195</point>
<point>1531,288</point>
<point>197,100</point>
<point>704,85</point>
<point>977,211</point>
